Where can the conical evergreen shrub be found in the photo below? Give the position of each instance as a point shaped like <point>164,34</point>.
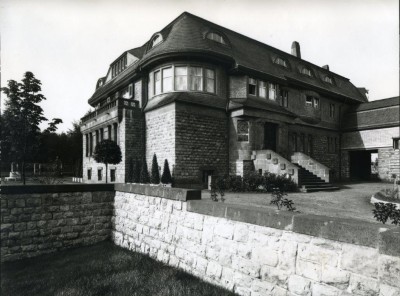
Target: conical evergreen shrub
<point>155,174</point>
<point>136,171</point>
<point>166,175</point>
<point>144,173</point>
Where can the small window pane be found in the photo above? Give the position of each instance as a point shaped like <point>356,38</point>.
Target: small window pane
<point>243,131</point>
<point>167,79</point>
<point>180,78</point>
<point>196,78</point>
<point>262,89</point>
<point>252,86</point>
<point>316,103</point>
<point>309,101</point>
<point>157,82</point>
<point>272,91</point>
<point>210,80</point>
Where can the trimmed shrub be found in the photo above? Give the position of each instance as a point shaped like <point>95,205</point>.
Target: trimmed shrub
<point>166,177</point>
<point>144,173</point>
<point>385,211</point>
<point>155,174</point>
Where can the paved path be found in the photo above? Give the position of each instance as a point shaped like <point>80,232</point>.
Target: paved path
<point>351,201</point>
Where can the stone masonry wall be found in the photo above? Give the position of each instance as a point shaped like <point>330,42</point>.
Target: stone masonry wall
<point>201,143</point>
<point>252,259</point>
<point>37,223</point>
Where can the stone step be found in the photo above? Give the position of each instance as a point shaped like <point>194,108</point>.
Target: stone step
<point>314,189</point>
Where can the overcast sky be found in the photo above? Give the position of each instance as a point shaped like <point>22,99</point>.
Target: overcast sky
<point>69,44</point>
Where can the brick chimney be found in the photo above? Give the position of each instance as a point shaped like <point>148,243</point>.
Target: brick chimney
<point>326,67</point>
<point>296,49</point>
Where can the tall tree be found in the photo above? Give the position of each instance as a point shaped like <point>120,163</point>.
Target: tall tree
<point>107,152</point>
<point>21,119</point>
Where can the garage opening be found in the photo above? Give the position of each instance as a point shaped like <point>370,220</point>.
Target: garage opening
<point>364,165</point>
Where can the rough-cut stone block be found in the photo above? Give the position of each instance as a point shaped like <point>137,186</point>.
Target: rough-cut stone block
<point>299,285</point>
<point>224,229</point>
<point>264,256</point>
<point>248,267</point>
<point>274,275</point>
<point>386,290</point>
<point>334,276</point>
<point>363,286</point>
<point>214,270</point>
<point>318,254</point>
<point>241,233</point>
<point>323,290</point>
<point>360,260</point>
<point>308,269</point>
<point>389,270</point>
<point>261,287</point>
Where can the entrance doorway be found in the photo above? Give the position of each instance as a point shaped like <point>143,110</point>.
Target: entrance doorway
<point>361,163</point>
<point>270,136</point>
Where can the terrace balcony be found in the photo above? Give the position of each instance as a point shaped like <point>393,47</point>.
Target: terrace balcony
<point>114,105</point>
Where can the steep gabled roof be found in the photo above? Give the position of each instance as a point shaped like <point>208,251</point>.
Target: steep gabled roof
<point>187,35</point>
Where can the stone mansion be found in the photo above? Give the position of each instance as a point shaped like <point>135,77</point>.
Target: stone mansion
<point>214,102</point>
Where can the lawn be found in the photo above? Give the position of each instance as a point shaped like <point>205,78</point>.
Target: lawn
<point>102,269</point>
<point>351,201</point>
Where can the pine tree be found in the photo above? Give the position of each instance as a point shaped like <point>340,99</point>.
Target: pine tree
<point>166,175</point>
<point>155,174</point>
<point>136,171</point>
<point>144,173</point>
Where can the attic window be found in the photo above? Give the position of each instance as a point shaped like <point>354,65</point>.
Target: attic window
<point>156,40</point>
<point>306,72</point>
<point>328,79</point>
<point>281,62</point>
<point>216,37</point>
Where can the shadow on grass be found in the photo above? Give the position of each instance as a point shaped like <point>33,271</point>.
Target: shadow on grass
<point>102,269</point>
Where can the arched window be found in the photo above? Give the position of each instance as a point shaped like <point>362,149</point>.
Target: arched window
<point>216,37</point>
<point>328,79</point>
<point>306,71</point>
<point>281,62</point>
<point>156,40</point>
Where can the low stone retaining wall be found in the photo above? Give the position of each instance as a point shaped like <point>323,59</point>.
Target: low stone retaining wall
<point>256,251</point>
<point>252,251</point>
<point>41,219</point>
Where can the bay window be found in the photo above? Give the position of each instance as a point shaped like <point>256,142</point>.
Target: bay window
<point>182,78</point>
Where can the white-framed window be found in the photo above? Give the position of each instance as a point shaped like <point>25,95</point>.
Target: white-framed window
<point>262,89</point>
<point>99,174</point>
<point>167,79</point>
<point>396,143</point>
<point>284,98</point>
<point>181,78</point>
<point>112,175</point>
<point>156,40</point>
<point>328,79</point>
<point>332,110</point>
<point>242,131</point>
<point>306,71</point>
<point>196,78</point>
<point>216,37</point>
<point>312,101</point>
<point>252,86</point>
<point>210,80</point>
<point>157,82</point>
<point>272,91</point>
<point>281,62</point>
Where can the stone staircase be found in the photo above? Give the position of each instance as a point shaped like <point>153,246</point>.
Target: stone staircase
<point>309,174</point>
<point>308,182</point>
